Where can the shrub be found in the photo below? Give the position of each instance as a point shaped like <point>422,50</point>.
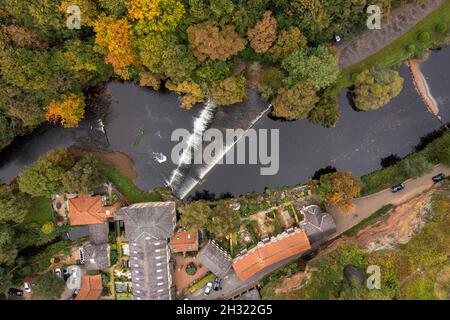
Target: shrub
<point>411,48</point>
<point>113,255</point>
<point>441,27</point>
<point>48,228</point>
<point>424,36</point>
<point>191,269</point>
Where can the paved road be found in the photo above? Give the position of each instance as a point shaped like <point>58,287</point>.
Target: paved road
<point>364,207</point>
<point>371,41</point>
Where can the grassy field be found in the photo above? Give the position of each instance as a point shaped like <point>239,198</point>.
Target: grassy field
<point>397,52</point>
<point>41,211</point>
<point>126,186</point>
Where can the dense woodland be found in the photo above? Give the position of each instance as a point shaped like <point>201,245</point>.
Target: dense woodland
<point>197,48</point>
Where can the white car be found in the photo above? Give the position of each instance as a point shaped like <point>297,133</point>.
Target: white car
<point>27,287</point>
<point>208,288</point>
<point>58,272</point>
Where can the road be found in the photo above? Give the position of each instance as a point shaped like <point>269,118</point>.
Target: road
<point>364,207</point>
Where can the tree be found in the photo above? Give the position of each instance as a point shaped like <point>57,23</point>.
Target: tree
<point>207,40</point>
<point>326,113</point>
<point>270,82</point>
<point>68,112</point>
<point>294,103</point>
<point>315,66</point>
<point>44,177</point>
<point>155,15</point>
<point>229,91</point>
<point>114,39</point>
<point>14,206</point>
<point>416,165</point>
<point>191,93</point>
<point>225,220</point>
<point>195,216</point>
<point>47,287</point>
<point>375,87</point>
<point>9,129</point>
<point>83,177</point>
<point>116,8</point>
<point>5,279</point>
<point>264,33</point>
<point>287,42</point>
<point>8,249</point>
<point>338,189</point>
<point>210,72</point>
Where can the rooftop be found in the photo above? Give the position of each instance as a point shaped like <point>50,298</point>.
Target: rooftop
<point>318,225</point>
<point>262,256</point>
<point>96,256</point>
<point>85,210</point>
<point>184,241</point>
<point>91,288</point>
<point>215,259</point>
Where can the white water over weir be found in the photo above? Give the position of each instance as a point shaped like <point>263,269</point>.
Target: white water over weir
<point>181,182</point>
<point>201,123</point>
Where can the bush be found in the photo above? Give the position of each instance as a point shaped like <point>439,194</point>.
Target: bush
<point>441,27</point>
<point>424,36</point>
<point>411,48</point>
<point>113,256</point>
<point>191,269</point>
<point>48,228</point>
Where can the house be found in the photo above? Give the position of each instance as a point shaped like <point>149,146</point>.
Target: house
<point>184,241</point>
<point>91,288</point>
<point>148,228</point>
<point>96,256</point>
<point>85,210</point>
<point>264,255</point>
<point>215,259</point>
<point>318,225</point>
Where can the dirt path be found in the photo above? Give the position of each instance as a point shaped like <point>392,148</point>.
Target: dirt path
<point>371,41</point>
<point>421,86</point>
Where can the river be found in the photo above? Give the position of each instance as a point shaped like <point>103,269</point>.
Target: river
<point>139,122</point>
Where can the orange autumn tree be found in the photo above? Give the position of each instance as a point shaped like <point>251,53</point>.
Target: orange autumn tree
<point>68,112</point>
<point>114,39</point>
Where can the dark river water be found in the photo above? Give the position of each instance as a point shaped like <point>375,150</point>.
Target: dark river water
<point>139,122</point>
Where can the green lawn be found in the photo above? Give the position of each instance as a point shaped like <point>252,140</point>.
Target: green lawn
<point>397,52</point>
<point>41,211</point>
<point>126,186</point>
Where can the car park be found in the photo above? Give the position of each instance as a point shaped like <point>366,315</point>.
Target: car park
<point>208,288</point>
<point>398,187</point>
<point>439,177</point>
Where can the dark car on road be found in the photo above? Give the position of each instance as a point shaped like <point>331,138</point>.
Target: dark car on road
<point>438,177</point>
<point>15,292</point>
<point>216,284</point>
<point>398,187</point>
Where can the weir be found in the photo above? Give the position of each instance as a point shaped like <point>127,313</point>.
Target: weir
<point>189,182</point>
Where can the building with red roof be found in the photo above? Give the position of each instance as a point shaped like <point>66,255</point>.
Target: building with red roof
<point>87,210</point>
<point>91,288</point>
<point>184,241</point>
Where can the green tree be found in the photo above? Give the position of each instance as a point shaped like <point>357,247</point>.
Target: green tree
<point>195,216</point>
<point>9,129</point>
<point>287,42</point>
<point>416,165</point>
<point>326,113</point>
<point>14,206</point>
<point>315,66</point>
<point>294,103</point>
<point>8,248</point>
<point>47,287</point>
<point>225,220</point>
<point>83,177</point>
<point>270,82</point>
<point>375,87</point>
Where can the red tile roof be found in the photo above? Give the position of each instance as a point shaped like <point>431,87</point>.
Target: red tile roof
<point>84,210</point>
<point>184,241</point>
<point>262,256</point>
<point>91,288</point>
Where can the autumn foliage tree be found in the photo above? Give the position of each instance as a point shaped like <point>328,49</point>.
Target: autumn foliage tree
<point>229,91</point>
<point>294,103</point>
<point>208,40</point>
<point>338,189</point>
<point>68,112</point>
<point>191,93</point>
<point>264,33</point>
<point>287,42</point>
<point>114,39</point>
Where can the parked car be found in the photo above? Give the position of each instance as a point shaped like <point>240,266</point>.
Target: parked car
<point>27,287</point>
<point>216,284</point>
<point>398,187</point>
<point>208,288</point>
<point>74,294</point>
<point>65,274</point>
<point>74,273</point>
<point>438,177</point>
<point>337,38</point>
<point>58,272</point>
<point>15,292</point>
<point>81,255</point>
